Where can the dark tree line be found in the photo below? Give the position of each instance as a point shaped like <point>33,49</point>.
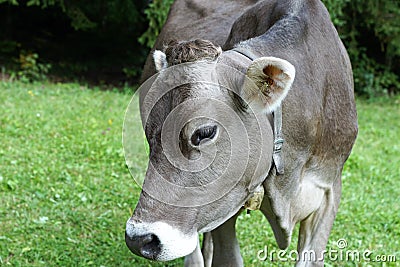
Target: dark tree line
<point>95,40</point>
<point>107,41</point>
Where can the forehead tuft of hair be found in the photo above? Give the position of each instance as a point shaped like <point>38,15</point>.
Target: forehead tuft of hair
<point>190,51</point>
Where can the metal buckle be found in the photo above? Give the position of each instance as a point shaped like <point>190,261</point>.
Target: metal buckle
<point>278,143</point>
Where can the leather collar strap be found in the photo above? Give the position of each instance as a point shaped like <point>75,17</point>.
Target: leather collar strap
<point>277,115</point>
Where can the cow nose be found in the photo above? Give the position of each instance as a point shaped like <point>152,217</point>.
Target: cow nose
<point>147,246</point>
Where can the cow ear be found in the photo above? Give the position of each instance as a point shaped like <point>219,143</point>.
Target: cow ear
<point>160,60</point>
<point>268,80</point>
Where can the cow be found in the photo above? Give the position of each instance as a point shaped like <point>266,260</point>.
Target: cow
<point>266,104</point>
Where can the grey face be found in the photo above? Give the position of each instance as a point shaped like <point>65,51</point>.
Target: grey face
<point>207,155</point>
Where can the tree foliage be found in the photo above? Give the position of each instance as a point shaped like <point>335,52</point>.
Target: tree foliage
<point>156,15</point>
<point>95,39</point>
<point>370,29</point>
<point>84,15</point>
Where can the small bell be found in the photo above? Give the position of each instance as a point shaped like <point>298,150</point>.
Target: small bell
<point>254,203</point>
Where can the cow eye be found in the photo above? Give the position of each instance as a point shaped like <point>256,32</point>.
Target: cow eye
<point>203,133</point>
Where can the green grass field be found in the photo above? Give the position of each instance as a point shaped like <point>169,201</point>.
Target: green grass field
<point>66,192</point>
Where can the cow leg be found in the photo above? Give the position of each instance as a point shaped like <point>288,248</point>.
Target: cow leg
<point>203,257</point>
<point>207,249</point>
<point>315,229</point>
<point>226,251</point>
<point>195,259</point>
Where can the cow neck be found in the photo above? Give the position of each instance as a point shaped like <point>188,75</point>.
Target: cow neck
<point>277,115</point>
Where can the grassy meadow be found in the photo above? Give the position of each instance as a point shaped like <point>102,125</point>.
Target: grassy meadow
<point>65,191</point>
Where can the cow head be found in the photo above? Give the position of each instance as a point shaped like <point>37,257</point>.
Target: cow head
<point>210,144</point>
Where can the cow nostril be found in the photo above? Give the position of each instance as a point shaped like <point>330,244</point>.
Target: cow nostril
<point>148,246</point>
<point>151,246</point>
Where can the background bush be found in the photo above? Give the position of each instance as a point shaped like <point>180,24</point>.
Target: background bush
<point>95,40</point>
<point>370,29</point>
<point>107,41</point>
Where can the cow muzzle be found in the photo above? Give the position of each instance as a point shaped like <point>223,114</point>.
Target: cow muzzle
<point>158,241</point>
